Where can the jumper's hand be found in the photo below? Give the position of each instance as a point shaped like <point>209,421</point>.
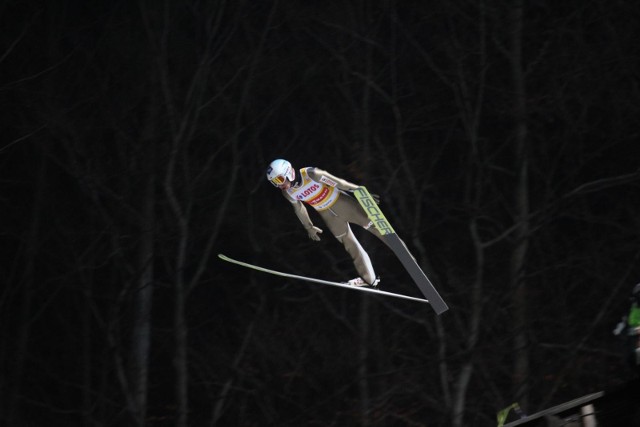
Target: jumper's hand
<point>314,233</point>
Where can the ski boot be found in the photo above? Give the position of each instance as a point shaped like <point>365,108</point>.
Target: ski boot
<point>359,281</point>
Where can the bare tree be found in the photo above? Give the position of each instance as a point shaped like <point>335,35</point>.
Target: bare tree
<point>521,210</point>
<point>15,406</point>
<point>181,177</point>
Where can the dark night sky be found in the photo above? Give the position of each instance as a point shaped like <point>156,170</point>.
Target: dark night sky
<point>503,142</point>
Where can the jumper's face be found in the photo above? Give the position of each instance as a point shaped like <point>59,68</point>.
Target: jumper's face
<point>279,180</point>
<point>285,185</point>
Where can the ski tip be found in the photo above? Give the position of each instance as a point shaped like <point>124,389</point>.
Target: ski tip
<point>224,257</point>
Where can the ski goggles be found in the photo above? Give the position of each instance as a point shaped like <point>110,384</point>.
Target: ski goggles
<point>278,180</point>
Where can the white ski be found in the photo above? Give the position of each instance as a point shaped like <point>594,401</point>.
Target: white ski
<point>323,282</point>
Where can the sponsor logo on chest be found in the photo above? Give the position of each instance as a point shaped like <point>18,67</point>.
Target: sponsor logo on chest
<point>305,193</point>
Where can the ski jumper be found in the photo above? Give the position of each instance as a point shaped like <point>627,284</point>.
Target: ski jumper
<point>326,194</point>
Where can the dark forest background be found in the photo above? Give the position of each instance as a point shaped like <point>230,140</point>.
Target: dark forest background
<point>501,136</point>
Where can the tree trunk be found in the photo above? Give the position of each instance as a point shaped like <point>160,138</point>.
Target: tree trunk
<point>180,361</point>
<point>88,393</point>
<point>14,410</point>
<point>364,384</point>
<point>521,200</point>
<point>141,336</point>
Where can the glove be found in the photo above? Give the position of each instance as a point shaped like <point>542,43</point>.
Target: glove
<point>314,233</point>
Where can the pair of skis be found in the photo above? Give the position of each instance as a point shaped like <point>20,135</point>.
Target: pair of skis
<point>395,244</point>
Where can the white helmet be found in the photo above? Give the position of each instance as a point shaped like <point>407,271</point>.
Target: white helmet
<point>279,171</point>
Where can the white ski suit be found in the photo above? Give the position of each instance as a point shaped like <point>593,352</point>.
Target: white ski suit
<point>327,195</point>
